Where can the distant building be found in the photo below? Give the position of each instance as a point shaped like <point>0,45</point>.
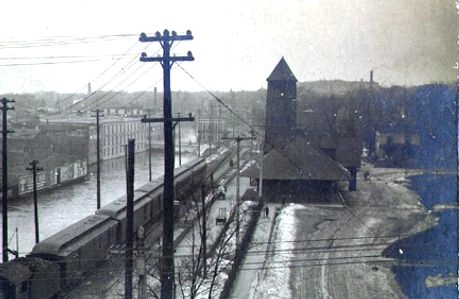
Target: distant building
<point>79,134</point>
<point>26,145</point>
<point>211,127</point>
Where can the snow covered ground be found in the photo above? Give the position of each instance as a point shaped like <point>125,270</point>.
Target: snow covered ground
<point>335,251</point>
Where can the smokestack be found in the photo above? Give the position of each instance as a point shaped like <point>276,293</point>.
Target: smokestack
<point>371,78</point>
<point>89,88</point>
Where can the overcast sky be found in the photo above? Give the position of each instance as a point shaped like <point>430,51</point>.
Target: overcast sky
<point>63,45</point>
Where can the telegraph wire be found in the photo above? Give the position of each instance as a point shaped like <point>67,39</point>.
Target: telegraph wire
<point>287,265</point>
<point>61,41</point>
<point>301,250</point>
<point>49,62</point>
<point>99,104</point>
<point>106,69</point>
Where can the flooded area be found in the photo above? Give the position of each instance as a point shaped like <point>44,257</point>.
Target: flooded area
<point>428,261</point>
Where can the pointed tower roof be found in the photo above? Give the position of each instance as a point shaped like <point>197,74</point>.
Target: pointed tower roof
<point>282,72</point>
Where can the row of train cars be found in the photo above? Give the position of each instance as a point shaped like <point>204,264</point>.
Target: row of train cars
<point>60,262</point>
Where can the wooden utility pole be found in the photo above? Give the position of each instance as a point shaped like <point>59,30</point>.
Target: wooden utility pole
<point>5,132</point>
<point>204,231</point>
<point>130,218</point>
<point>199,133</point>
<point>149,141</point>
<point>167,261</point>
<point>260,182</point>
<point>98,157</point>
<point>179,140</point>
<point>238,200</point>
<point>33,167</point>
<point>141,266</point>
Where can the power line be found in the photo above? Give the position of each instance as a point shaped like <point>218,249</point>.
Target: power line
<point>60,41</point>
<point>49,62</point>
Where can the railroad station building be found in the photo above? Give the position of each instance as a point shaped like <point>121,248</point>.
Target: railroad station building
<point>304,157</point>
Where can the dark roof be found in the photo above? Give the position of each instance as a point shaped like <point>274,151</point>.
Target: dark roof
<point>298,160</point>
<point>282,72</point>
<point>14,272</point>
<point>65,242</point>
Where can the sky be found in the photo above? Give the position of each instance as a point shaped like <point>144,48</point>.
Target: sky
<point>63,45</point>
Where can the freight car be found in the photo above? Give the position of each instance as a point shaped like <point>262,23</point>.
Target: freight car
<point>61,261</point>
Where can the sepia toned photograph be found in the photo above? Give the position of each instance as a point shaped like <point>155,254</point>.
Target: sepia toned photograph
<point>229,149</point>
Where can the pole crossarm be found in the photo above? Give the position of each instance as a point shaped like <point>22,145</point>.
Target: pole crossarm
<point>238,138</point>
<point>162,119</point>
<point>33,166</point>
<point>145,58</point>
<point>165,37</point>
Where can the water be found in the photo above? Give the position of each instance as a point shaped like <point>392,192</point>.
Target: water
<point>434,252</point>
<point>61,207</point>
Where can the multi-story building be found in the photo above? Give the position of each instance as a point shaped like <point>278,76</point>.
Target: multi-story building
<point>79,135</point>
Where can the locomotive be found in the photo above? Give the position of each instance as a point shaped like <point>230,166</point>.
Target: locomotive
<point>60,262</point>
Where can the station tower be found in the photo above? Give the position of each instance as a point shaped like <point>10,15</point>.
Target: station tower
<point>280,122</point>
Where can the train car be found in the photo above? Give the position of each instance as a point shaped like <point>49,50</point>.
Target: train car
<point>219,163</point>
<point>146,210</point>
<point>79,248</point>
<point>29,278</point>
<point>67,256</point>
<point>14,279</point>
<point>187,180</point>
<point>148,199</point>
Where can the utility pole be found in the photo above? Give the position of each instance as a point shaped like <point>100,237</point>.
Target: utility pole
<point>141,267</point>
<point>33,167</point>
<point>260,182</point>
<point>204,231</point>
<point>211,127</point>
<point>179,141</point>
<point>251,146</point>
<point>199,133</point>
<point>98,156</point>
<point>238,200</point>
<point>219,125</point>
<point>167,260</point>
<point>5,132</point>
<point>149,141</point>
<point>130,218</point>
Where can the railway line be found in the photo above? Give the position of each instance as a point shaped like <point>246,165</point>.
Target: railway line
<point>70,255</point>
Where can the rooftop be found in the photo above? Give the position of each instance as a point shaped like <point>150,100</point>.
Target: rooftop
<point>282,72</point>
